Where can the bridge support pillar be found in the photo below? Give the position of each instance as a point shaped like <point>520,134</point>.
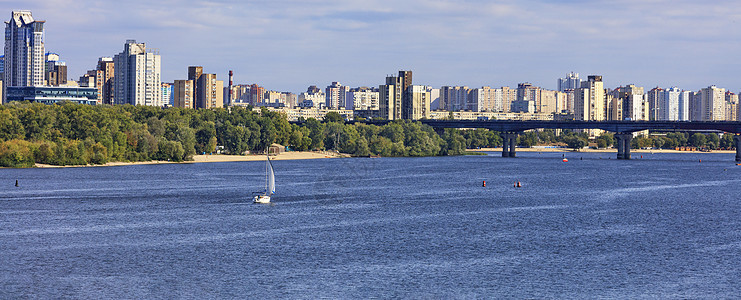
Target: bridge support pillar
<point>623,145</point>
<point>509,141</point>
<point>513,144</point>
<point>737,143</point>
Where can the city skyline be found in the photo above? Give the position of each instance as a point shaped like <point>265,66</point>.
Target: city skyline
<point>289,45</point>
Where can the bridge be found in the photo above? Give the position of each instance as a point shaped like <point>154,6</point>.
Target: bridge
<point>623,129</point>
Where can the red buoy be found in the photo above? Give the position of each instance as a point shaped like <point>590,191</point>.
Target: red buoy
<point>484,185</point>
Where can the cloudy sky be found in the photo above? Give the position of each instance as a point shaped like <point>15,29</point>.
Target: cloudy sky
<point>287,45</point>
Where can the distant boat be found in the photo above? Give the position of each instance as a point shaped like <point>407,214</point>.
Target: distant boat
<point>269,183</point>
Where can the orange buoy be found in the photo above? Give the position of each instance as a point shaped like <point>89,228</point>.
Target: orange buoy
<point>565,160</point>
<point>518,184</point>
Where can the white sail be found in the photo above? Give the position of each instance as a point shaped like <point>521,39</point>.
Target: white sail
<point>271,179</point>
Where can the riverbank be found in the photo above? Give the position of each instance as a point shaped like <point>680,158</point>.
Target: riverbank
<point>293,155</point>
<point>609,150</point>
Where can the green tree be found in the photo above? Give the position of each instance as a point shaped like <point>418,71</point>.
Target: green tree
<point>576,142</point>
<point>726,142</point>
<point>713,142</point>
<point>333,116</point>
<point>697,140</point>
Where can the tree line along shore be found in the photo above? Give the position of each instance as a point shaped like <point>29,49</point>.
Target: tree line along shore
<point>75,134</point>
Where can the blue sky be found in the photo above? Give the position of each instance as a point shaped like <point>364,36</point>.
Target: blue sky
<point>288,45</point>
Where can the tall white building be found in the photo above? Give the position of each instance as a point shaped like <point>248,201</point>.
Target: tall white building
<point>335,94</point>
<point>454,98</point>
<point>570,82</point>
<point>137,76</point>
<point>24,51</point>
<point>417,105</point>
<point>589,100</point>
<point>713,103</point>
<point>434,98</point>
<point>361,99</point>
<point>669,104</point>
<point>684,106</point>
<point>312,99</point>
<point>481,99</point>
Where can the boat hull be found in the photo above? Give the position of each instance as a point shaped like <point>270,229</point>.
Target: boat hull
<point>263,199</point>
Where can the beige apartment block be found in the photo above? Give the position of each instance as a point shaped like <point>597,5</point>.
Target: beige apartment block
<point>210,92</point>
<point>183,94</point>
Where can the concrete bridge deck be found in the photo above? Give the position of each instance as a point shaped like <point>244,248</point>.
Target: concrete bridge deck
<point>623,130</point>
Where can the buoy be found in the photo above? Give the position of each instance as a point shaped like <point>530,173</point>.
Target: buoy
<point>16,182</point>
<point>641,156</point>
<point>518,184</point>
<point>484,184</point>
<point>581,158</point>
<point>700,160</point>
<point>565,160</point>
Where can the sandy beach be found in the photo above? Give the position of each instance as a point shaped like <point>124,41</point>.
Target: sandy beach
<point>294,155</point>
<point>610,150</point>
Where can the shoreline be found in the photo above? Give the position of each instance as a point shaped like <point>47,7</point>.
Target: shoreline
<point>302,155</point>
<point>609,150</point>
<point>293,155</point>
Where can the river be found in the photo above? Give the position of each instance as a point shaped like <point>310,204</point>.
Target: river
<point>665,226</point>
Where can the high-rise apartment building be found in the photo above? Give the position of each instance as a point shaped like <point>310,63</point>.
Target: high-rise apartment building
<point>505,97</point>
<point>257,94</point>
<point>194,73</point>
<point>528,97</point>
<point>137,76</point>
<point>569,101</point>
<point>182,94</point>
<point>712,104</point>
<point>632,100</point>
<point>481,99</point>
<point>731,106</point>
<point>654,98</point>
<point>434,98</point>
<point>56,73</point>
<point>394,94</point>
<point>455,98</point>
<point>695,106</point>
<point>361,99</point>
<point>417,104</point>
<point>210,92</point>
<point>106,66</point>
<point>589,100</point>
<point>313,97</point>
<point>389,99</point>
<point>93,79</point>
<point>685,97</point>
<point>614,106</point>
<point>24,51</point>
<point>167,94</point>
<point>669,104</point>
<point>335,94</point>
<point>570,82</point>
<point>551,102</point>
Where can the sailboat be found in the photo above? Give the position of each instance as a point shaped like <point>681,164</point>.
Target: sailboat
<point>269,183</point>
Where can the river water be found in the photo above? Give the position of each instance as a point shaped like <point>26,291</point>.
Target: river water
<point>665,226</point>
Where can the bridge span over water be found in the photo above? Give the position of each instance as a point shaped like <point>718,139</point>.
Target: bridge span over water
<point>623,129</point>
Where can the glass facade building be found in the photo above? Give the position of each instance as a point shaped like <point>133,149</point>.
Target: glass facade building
<point>53,95</point>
